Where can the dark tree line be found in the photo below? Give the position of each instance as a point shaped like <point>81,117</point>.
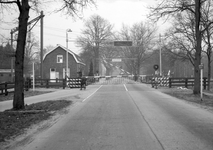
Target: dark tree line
<point>5,56</point>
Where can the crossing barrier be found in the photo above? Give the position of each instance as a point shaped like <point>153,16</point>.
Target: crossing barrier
<point>160,81</point>
<point>74,82</point>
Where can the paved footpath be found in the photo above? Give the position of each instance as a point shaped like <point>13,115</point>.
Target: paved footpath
<point>59,94</point>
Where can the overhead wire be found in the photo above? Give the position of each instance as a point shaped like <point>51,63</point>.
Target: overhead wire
<point>55,33</point>
<point>58,29</point>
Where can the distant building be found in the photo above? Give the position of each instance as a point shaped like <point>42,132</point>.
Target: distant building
<point>54,63</point>
<point>6,67</point>
<point>6,75</point>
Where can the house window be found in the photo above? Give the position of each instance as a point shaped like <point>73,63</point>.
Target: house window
<point>59,58</point>
<point>52,69</point>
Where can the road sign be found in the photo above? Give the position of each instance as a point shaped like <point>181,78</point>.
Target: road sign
<point>116,60</point>
<point>201,66</point>
<point>156,67</point>
<point>122,43</point>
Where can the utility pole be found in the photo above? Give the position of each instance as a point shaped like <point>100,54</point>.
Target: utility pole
<point>41,67</point>
<point>160,55</point>
<point>30,22</point>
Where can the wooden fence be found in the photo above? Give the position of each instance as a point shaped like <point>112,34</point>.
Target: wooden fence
<point>173,82</point>
<point>185,82</point>
<point>8,87</point>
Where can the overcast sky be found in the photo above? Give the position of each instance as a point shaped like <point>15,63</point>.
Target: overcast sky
<point>117,12</point>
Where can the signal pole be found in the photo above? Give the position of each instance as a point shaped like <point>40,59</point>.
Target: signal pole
<point>160,56</point>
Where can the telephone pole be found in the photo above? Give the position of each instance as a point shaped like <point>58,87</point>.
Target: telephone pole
<point>41,38</point>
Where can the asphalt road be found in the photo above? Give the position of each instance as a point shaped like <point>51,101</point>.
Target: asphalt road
<point>128,117</point>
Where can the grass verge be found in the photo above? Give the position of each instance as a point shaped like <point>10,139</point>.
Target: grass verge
<point>187,95</point>
<point>13,123</point>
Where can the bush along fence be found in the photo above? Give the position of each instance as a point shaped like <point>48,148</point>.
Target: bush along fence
<point>172,82</point>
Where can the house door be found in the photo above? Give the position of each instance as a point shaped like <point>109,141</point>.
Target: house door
<point>52,73</point>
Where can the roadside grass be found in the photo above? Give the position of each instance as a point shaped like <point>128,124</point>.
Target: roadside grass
<point>187,95</point>
<point>13,123</point>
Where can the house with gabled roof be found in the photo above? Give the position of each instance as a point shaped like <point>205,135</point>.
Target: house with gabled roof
<point>54,63</point>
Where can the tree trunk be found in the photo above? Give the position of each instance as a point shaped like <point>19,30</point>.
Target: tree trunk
<point>209,55</point>
<point>138,64</point>
<point>96,64</point>
<point>91,69</point>
<point>18,101</point>
<point>209,71</point>
<point>198,48</point>
<point>108,71</point>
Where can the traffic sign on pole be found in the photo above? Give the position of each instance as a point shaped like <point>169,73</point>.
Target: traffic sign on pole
<point>156,67</point>
<point>116,60</point>
<point>122,43</point>
<point>201,67</point>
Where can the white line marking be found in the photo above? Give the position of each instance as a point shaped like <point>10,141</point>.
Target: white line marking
<point>125,87</point>
<point>92,94</point>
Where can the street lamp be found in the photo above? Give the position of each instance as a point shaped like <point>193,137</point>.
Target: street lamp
<point>68,30</point>
<point>160,55</point>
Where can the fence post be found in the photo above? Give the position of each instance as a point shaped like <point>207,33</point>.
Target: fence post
<point>186,83</point>
<point>47,83</point>
<point>204,82</point>
<point>5,88</point>
<point>30,83</point>
<point>26,84</point>
<point>170,82</point>
<point>64,83</point>
<point>152,82</point>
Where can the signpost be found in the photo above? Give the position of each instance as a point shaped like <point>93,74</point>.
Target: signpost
<point>154,80</point>
<point>116,60</point>
<point>156,67</point>
<point>201,67</point>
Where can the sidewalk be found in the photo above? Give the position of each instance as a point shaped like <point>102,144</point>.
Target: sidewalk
<point>58,94</point>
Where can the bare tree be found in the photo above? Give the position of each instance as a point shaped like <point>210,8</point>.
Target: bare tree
<point>97,31</point>
<point>207,23</point>
<point>172,7</point>
<point>108,52</point>
<point>30,52</point>
<point>142,35</point>
<point>71,7</point>
<point>181,37</point>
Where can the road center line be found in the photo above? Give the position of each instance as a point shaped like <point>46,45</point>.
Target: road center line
<point>125,87</point>
<point>142,115</point>
<point>92,94</point>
